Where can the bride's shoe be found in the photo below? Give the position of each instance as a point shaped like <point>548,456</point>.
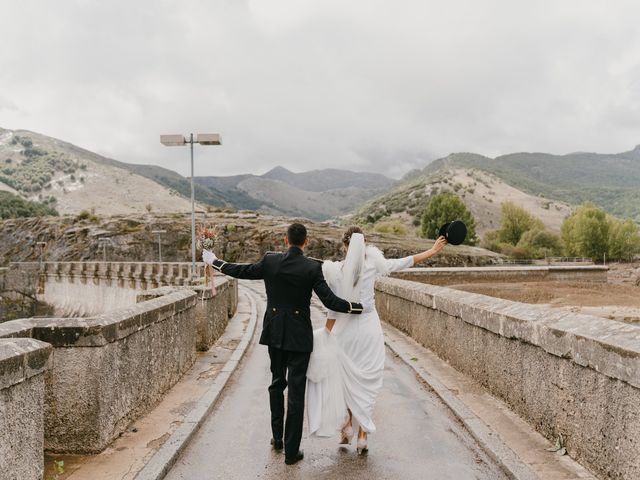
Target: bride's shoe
<point>362,447</point>
<point>347,434</point>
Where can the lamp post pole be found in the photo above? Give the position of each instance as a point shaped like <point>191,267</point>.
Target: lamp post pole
<point>179,140</point>
<point>159,233</point>
<point>193,217</point>
<point>42,246</point>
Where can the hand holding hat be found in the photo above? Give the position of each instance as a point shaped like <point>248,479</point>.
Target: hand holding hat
<point>455,232</point>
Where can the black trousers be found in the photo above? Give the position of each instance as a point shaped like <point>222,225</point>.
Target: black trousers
<point>288,369</point>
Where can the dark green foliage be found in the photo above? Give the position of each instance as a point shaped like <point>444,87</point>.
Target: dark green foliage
<point>443,208</point>
<point>590,232</point>
<point>12,206</point>
<point>515,222</point>
<point>521,235</point>
<point>540,243</point>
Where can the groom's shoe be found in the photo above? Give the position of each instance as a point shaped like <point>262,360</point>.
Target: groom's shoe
<point>277,444</point>
<point>295,459</point>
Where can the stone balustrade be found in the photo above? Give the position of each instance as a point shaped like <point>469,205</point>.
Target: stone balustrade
<point>139,275</point>
<point>565,373</point>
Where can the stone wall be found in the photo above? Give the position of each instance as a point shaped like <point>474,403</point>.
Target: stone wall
<point>91,288</point>
<point>67,289</point>
<point>212,311</point>
<point>109,369</point>
<point>456,276</point>
<point>18,291</point>
<point>564,373</point>
<point>23,363</point>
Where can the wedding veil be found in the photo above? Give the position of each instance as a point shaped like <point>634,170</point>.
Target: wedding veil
<point>352,268</point>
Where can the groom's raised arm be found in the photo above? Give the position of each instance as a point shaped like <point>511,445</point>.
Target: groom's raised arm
<point>330,299</point>
<point>246,271</point>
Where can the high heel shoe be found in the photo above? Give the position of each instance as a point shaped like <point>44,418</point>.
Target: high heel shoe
<point>361,446</point>
<point>347,434</point>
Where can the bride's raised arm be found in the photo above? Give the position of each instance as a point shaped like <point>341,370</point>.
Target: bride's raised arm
<point>395,264</point>
<point>439,245</point>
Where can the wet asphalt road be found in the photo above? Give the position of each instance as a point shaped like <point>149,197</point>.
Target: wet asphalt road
<point>417,437</point>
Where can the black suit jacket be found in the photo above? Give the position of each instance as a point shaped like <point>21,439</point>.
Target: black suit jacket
<point>289,279</point>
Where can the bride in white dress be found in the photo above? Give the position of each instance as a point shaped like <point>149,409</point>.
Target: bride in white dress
<point>346,366</point>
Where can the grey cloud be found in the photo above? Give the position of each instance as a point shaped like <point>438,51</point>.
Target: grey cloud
<point>366,85</point>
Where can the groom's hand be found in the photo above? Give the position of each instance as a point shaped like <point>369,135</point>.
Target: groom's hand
<point>208,257</point>
<point>355,308</point>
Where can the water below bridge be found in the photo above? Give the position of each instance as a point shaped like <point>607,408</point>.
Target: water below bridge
<point>417,437</point>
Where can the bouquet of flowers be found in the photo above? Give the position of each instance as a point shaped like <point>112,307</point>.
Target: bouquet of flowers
<point>206,239</point>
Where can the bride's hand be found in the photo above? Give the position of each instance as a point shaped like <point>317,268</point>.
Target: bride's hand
<point>439,245</point>
<point>330,323</point>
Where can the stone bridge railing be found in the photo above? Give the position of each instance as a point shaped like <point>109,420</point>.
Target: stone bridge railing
<point>83,288</point>
<point>565,373</point>
<point>135,275</point>
<point>73,384</point>
<point>459,275</point>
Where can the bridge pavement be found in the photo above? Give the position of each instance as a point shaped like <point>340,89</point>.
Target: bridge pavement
<point>417,436</point>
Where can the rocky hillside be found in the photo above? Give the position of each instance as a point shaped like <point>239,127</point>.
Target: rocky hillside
<point>318,194</point>
<point>243,237</point>
<point>72,179</point>
<point>483,194</point>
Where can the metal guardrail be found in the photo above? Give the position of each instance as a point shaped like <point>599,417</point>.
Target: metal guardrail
<point>569,259</point>
<point>545,261</point>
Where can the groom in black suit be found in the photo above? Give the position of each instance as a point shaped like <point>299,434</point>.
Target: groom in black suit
<point>289,279</point>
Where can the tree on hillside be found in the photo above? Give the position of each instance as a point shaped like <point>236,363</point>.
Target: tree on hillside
<point>586,232</point>
<point>540,243</point>
<point>443,208</point>
<point>624,240</point>
<point>515,222</point>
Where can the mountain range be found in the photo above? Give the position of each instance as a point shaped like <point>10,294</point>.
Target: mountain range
<point>611,181</point>
<point>71,179</point>
<point>548,186</point>
<point>317,194</point>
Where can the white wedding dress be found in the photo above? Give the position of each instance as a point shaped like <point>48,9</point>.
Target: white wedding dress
<point>347,364</point>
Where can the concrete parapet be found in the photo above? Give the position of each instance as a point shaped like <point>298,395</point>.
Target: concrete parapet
<point>109,368</point>
<point>212,312</point>
<point>455,275</point>
<point>565,373</point>
<point>23,364</point>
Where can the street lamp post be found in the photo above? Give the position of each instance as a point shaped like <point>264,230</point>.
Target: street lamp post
<point>159,232</point>
<point>180,140</point>
<point>102,242</point>
<point>42,246</point>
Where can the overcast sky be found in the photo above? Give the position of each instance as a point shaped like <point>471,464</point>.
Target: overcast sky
<point>370,85</point>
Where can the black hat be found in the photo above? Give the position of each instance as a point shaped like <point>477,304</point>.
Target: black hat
<point>455,232</point>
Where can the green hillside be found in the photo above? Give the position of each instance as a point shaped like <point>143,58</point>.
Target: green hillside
<point>611,181</point>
